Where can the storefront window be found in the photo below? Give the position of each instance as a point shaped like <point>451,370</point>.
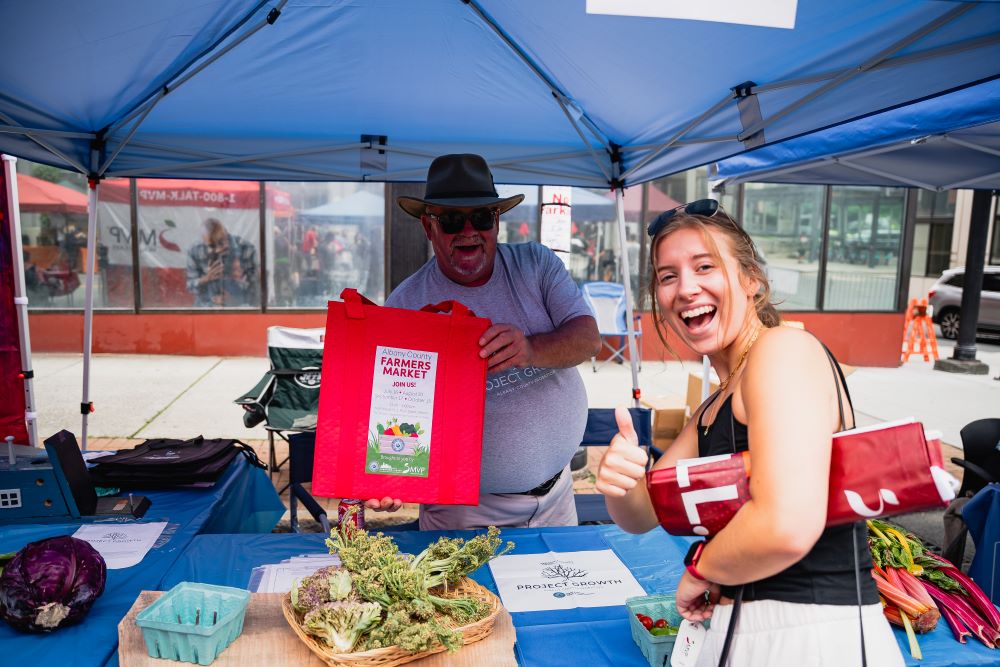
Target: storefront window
<point>995,243</point>
<point>198,243</point>
<point>323,238</point>
<point>53,208</point>
<point>934,223</point>
<point>863,253</point>
<point>786,224</point>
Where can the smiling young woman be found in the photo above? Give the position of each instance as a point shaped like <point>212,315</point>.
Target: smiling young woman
<point>807,588</point>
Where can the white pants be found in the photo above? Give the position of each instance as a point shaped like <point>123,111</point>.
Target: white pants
<point>770,633</point>
<point>507,510</point>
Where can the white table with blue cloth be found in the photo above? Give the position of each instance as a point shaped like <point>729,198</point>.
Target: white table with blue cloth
<point>573,637</point>
<point>243,500</point>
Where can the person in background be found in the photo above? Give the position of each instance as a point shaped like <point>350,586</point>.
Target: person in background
<point>222,269</point>
<point>536,404</point>
<point>805,588</point>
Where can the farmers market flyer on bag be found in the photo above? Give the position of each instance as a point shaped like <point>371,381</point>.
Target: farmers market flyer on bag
<point>563,580</point>
<point>401,403</point>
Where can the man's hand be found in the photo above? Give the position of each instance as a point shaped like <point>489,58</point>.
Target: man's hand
<point>386,504</point>
<point>692,603</point>
<point>505,346</point>
<point>624,463</point>
<point>214,272</point>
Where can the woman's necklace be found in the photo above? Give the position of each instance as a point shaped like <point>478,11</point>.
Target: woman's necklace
<point>739,364</point>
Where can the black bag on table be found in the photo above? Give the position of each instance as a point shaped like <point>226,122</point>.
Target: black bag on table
<point>161,463</point>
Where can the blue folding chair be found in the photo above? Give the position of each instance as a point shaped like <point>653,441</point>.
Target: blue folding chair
<point>601,428</point>
<point>607,302</point>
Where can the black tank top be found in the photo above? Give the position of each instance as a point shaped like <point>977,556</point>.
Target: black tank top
<point>826,574</point>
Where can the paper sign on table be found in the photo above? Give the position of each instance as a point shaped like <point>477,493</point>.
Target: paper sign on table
<point>121,544</point>
<point>563,580</point>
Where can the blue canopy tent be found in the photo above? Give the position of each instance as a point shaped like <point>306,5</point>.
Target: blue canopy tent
<point>566,92</point>
<point>356,207</point>
<point>942,143</point>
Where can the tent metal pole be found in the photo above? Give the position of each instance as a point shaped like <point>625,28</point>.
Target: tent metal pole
<point>684,130</point>
<point>88,307</point>
<point>633,359</point>
<point>593,153</point>
<point>51,133</point>
<point>183,78</point>
<point>969,182</point>
<point>21,298</point>
<point>128,137</point>
<point>970,145</point>
<point>884,174</point>
<point>254,158</point>
<point>55,151</point>
<point>847,75</point>
<point>696,141</point>
<point>208,155</point>
<point>895,61</point>
<point>539,158</point>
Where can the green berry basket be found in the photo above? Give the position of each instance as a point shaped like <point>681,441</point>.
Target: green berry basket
<point>656,648</point>
<point>193,622</point>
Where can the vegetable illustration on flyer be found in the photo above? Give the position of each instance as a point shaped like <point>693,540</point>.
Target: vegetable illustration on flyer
<point>402,411</point>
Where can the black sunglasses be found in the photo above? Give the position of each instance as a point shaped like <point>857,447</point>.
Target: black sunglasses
<point>453,222</point>
<point>705,207</point>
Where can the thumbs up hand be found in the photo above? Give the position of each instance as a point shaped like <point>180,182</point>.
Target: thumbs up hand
<point>624,463</point>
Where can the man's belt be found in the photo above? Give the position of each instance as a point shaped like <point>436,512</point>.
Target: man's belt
<point>544,487</point>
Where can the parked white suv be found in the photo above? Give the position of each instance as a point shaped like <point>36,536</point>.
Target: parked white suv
<point>946,298</point>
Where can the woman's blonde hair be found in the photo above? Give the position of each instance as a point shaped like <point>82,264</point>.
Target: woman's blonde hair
<point>743,250</point>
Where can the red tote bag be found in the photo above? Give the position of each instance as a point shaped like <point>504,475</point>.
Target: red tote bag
<point>878,471</point>
<point>401,403</point>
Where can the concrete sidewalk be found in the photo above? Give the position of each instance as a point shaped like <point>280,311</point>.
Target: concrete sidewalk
<point>140,396</point>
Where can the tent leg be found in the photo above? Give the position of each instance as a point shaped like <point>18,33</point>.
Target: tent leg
<point>21,298</point>
<point>627,282</point>
<point>88,308</point>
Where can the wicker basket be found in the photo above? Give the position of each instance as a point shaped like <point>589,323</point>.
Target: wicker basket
<point>393,655</point>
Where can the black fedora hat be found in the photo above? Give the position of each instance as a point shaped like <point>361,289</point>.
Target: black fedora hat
<point>459,180</point>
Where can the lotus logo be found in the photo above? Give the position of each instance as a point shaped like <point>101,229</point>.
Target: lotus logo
<point>308,378</point>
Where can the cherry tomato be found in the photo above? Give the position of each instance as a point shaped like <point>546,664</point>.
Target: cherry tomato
<point>647,622</point>
<point>660,623</point>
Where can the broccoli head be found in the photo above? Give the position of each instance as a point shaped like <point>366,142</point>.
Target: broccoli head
<point>340,624</point>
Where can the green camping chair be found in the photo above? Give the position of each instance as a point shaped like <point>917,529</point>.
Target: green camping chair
<point>287,398</point>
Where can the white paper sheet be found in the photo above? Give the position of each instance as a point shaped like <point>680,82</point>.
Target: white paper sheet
<point>121,544</point>
<point>278,577</point>
<point>563,580</point>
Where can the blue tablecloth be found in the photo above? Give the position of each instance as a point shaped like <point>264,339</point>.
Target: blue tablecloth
<point>244,500</point>
<point>587,636</point>
<point>982,516</point>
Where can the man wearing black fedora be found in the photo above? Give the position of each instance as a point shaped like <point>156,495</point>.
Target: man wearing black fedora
<point>536,405</point>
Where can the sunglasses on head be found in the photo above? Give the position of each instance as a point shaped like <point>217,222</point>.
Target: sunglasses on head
<point>453,222</point>
<point>705,207</point>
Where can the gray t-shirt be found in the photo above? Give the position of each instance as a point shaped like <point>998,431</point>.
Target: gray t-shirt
<point>535,417</point>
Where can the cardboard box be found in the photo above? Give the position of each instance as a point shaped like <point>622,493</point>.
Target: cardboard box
<point>694,390</point>
<point>669,416</point>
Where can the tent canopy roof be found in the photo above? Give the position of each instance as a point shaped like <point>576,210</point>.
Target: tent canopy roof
<point>951,141</point>
<point>37,195</point>
<point>307,89</point>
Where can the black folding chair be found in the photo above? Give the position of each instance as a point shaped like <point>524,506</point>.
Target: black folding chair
<point>980,466</point>
<point>301,448</point>
<point>286,399</point>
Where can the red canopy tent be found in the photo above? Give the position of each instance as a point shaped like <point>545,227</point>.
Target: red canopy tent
<point>36,195</point>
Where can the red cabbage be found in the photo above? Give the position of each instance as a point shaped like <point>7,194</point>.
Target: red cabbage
<point>51,583</point>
